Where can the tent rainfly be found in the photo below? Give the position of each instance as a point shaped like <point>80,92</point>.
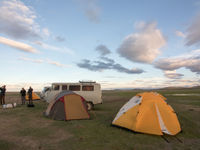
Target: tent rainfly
<point>67,105</point>
<point>149,113</point>
<point>34,96</point>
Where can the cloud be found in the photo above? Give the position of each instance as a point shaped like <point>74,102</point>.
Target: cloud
<point>32,60</point>
<point>189,61</point>
<point>107,64</point>
<point>18,20</point>
<point>139,25</point>
<point>143,46</point>
<point>56,63</point>
<point>54,48</point>
<point>59,38</point>
<point>112,77</point>
<point>48,61</point>
<point>173,74</point>
<point>46,32</point>
<point>91,10</point>
<point>103,50</point>
<point>180,34</point>
<point>193,32</point>
<point>18,45</point>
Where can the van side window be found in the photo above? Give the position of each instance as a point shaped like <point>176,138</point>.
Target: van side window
<point>87,88</point>
<point>56,87</point>
<point>74,87</point>
<point>64,87</point>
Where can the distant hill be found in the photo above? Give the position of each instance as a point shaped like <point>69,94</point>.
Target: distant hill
<point>150,89</point>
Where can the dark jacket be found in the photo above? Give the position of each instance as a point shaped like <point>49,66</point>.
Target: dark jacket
<point>23,92</point>
<point>3,91</point>
<point>30,90</point>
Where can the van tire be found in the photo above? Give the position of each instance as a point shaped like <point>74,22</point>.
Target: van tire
<point>90,105</point>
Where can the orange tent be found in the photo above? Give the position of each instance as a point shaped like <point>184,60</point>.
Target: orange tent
<point>34,96</point>
<point>149,113</point>
<point>67,105</point>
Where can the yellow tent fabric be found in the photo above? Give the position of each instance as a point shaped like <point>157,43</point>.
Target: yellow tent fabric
<point>74,107</point>
<point>34,96</point>
<point>149,113</point>
<point>67,105</point>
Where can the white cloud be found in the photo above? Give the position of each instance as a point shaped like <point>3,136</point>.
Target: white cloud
<point>143,46</point>
<point>193,32</point>
<point>18,45</point>
<point>48,61</point>
<point>32,60</point>
<point>180,34</point>
<point>190,61</point>
<point>18,20</point>
<point>139,25</point>
<point>173,74</point>
<point>58,64</point>
<point>54,48</point>
<point>46,32</point>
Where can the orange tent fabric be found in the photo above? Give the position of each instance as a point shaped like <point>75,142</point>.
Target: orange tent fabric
<point>34,96</point>
<point>67,105</point>
<point>149,113</point>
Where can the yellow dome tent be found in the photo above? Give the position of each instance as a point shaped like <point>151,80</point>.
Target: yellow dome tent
<point>149,113</point>
<point>67,105</point>
<point>34,96</point>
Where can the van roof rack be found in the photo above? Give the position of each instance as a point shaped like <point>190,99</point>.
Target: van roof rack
<point>89,81</point>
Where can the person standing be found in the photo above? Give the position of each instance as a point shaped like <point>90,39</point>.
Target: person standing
<point>30,90</point>
<point>2,94</point>
<point>23,96</point>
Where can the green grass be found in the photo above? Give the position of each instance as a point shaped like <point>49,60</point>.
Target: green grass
<point>6,145</point>
<point>27,128</point>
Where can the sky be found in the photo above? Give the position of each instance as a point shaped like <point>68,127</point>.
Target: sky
<point>119,44</point>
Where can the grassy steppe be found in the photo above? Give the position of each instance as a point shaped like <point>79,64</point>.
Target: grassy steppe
<point>25,128</point>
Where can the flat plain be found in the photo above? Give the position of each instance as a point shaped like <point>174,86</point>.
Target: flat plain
<point>23,128</point>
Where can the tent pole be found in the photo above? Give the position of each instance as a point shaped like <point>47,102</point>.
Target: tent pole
<point>165,138</point>
<point>178,139</point>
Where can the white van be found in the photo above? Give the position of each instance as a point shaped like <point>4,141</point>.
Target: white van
<point>91,91</point>
<point>43,93</point>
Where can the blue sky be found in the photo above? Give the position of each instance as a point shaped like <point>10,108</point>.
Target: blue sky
<point>120,44</point>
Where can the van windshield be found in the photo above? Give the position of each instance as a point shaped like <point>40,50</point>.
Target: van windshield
<point>46,89</point>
